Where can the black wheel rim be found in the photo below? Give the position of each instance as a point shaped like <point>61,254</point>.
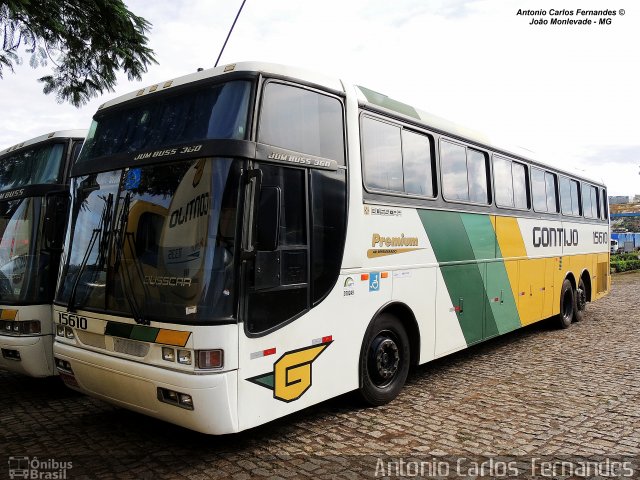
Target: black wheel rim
<point>567,307</point>
<point>384,359</point>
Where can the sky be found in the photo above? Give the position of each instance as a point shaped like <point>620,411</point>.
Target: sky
<point>568,93</point>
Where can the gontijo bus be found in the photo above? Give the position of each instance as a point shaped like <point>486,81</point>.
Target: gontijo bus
<point>33,215</point>
<point>253,239</point>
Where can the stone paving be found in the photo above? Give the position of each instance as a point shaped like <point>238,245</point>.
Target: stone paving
<point>538,392</point>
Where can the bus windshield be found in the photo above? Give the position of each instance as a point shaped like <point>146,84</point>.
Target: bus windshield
<point>24,267</point>
<point>32,166</point>
<point>213,112</point>
<point>155,242</point>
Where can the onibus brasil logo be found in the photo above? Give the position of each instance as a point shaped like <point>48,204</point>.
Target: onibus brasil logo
<point>291,375</point>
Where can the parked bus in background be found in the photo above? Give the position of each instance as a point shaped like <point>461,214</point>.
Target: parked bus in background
<point>253,239</point>
<point>34,195</point>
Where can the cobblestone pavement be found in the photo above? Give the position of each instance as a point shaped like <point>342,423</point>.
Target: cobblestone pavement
<point>536,392</point>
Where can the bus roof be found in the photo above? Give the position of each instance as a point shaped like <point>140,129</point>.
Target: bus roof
<point>364,95</point>
<point>78,133</point>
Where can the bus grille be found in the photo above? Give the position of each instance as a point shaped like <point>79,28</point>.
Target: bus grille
<point>91,339</point>
<point>130,347</point>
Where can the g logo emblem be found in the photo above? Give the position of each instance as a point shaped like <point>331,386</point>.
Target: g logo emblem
<point>292,373</point>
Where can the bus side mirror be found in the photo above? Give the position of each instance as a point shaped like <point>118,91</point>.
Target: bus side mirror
<point>55,216</point>
<point>268,218</point>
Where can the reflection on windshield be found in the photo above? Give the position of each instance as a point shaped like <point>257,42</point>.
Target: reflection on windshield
<point>211,112</point>
<point>154,242</point>
<point>38,165</point>
<point>24,268</point>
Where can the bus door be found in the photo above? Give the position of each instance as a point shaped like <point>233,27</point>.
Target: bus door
<point>275,290</point>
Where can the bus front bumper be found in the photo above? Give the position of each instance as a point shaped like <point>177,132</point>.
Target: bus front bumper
<point>28,355</point>
<point>137,386</point>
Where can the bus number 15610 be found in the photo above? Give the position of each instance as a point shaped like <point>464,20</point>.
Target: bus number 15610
<point>73,321</point>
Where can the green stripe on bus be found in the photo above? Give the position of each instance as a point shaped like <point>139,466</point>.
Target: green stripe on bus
<point>116,329</point>
<point>464,281</point>
<point>144,334</point>
<point>502,315</point>
<point>478,286</point>
<point>383,101</point>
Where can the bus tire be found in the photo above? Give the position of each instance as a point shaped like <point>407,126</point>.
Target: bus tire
<point>567,304</point>
<point>581,302</point>
<point>384,360</point>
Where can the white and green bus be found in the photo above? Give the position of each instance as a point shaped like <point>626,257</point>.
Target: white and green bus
<point>253,239</point>
<point>33,215</point>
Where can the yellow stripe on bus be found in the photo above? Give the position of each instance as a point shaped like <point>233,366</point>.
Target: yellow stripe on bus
<point>7,314</point>
<point>173,337</point>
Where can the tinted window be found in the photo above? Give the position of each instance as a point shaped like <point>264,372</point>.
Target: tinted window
<point>520,196</point>
<point>477,175</point>
<point>382,155</point>
<point>32,166</point>
<point>416,154</point>
<point>565,196</point>
<point>595,202</point>
<point>328,223</point>
<point>538,189</point>
<point>302,120</point>
<point>511,183</point>
<point>208,112</point>
<point>503,182</point>
<point>575,202</point>
<point>454,171</point>
<point>279,280</point>
<point>552,196</point>
<point>589,201</point>
<point>605,206</point>
<point>464,173</point>
<point>396,159</point>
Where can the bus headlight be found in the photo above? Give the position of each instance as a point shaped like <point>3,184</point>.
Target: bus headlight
<point>168,354</point>
<point>60,330</point>
<point>68,332</point>
<point>29,327</point>
<point>184,357</point>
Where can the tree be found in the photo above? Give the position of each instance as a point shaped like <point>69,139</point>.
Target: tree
<point>88,41</point>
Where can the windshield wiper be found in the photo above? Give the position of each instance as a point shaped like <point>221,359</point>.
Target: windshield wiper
<point>101,231</point>
<point>122,237</point>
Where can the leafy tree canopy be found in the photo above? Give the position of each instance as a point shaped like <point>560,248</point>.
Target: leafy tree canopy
<point>87,41</point>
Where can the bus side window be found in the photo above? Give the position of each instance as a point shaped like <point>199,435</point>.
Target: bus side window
<point>395,159</point>
<point>551,182</point>
<point>605,207</point>
<point>382,155</point>
<point>586,201</point>
<point>565,196</point>
<point>464,173</point>
<point>538,189</point>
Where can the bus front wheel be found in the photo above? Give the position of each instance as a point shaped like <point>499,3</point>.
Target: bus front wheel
<point>384,360</point>
<point>567,304</point>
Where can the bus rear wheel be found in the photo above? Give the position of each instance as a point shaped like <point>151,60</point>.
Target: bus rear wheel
<point>567,304</point>
<point>581,302</point>
<point>384,360</point>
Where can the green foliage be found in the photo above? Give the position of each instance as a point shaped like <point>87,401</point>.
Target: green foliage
<point>624,265</point>
<point>88,41</point>
<point>624,256</point>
